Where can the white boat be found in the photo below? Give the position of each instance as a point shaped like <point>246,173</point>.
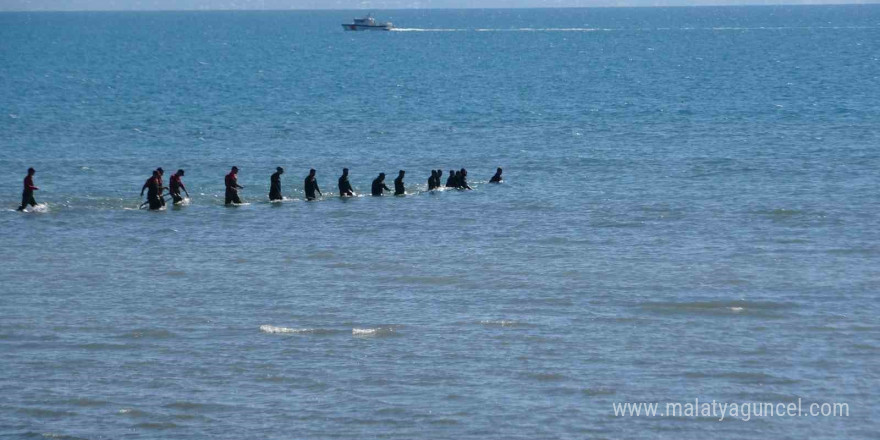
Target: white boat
<point>367,24</point>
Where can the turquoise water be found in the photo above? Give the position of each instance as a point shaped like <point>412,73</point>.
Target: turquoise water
<point>690,211</point>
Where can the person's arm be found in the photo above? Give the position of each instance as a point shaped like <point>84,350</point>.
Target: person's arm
<point>143,188</point>
<point>183,187</point>
<point>318,189</point>
<point>31,186</point>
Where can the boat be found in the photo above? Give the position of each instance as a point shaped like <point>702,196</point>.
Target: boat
<point>367,23</point>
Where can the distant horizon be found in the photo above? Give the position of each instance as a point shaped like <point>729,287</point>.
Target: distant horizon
<point>344,5</point>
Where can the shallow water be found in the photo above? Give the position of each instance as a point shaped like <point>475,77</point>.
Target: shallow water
<point>689,211</point>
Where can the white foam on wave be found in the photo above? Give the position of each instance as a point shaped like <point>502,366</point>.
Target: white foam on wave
<point>273,329</point>
<point>736,309</point>
<point>378,331</point>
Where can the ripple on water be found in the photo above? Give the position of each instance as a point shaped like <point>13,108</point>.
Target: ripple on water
<point>44,412</point>
<point>504,323</point>
<point>745,377</point>
<point>86,402</point>
<point>156,425</point>
<point>148,333</point>
<point>599,391</point>
<point>51,435</point>
<point>718,308</point>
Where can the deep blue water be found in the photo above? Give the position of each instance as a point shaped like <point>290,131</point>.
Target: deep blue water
<point>690,211</point>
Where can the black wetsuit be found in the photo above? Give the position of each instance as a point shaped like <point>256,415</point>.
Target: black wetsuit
<point>27,195</point>
<point>345,186</point>
<point>462,182</point>
<point>431,180</point>
<point>174,189</point>
<point>153,193</point>
<point>311,185</point>
<point>379,186</point>
<point>275,187</point>
<point>399,190</point>
<point>495,179</point>
<point>450,181</point>
<point>232,189</point>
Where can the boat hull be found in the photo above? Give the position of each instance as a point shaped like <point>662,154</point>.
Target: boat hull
<point>363,27</point>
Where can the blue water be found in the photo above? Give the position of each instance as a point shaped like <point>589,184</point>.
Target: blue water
<point>690,211</point>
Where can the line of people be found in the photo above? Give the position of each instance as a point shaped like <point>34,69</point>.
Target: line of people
<point>155,188</point>
<point>457,179</point>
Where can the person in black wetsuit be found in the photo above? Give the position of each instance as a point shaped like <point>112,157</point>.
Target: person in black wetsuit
<point>450,181</point>
<point>232,187</point>
<point>379,185</point>
<point>437,181</point>
<point>275,185</point>
<point>311,185</point>
<point>432,181</point>
<point>497,177</point>
<point>345,189</point>
<point>27,194</point>
<point>462,180</point>
<point>161,185</point>
<point>154,190</point>
<point>154,183</point>
<point>399,190</point>
<point>176,183</point>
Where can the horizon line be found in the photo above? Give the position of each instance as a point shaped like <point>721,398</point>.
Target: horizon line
<point>757,3</point>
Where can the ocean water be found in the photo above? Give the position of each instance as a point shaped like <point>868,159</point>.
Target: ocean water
<point>690,211</point>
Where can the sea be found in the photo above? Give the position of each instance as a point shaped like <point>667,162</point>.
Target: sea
<point>689,214</point>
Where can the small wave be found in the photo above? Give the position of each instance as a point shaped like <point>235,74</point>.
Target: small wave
<point>717,307</point>
<point>547,377</point>
<point>131,412</point>
<point>372,332</point>
<point>148,333</point>
<point>156,425</point>
<point>744,377</point>
<point>195,406</point>
<point>51,435</point>
<point>500,323</point>
<point>273,329</point>
<point>322,255</point>
<point>42,412</point>
<point>599,391</point>
<point>103,346</point>
<point>84,401</point>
